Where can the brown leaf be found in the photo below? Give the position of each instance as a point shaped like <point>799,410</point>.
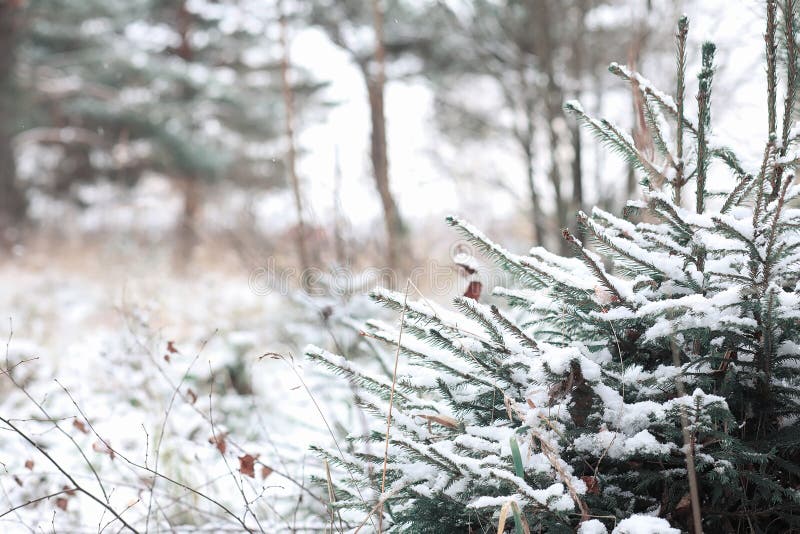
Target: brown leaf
<point>473,290</point>
<point>247,464</point>
<point>192,395</point>
<point>103,449</point>
<point>171,347</point>
<point>632,334</point>
<point>443,420</point>
<point>167,358</point>
<point>592,485</point>
<point>266,471</point>
<point>80,425</point>
<point>61,502</point>
<point>730,355</point>
<point>68,490</point>
<point>684,505</point>
<point>219,442</point>
<point>29,465</point>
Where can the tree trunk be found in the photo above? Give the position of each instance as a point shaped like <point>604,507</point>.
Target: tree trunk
<point>13,205</point>
<point>188,184</point>
<point>536,211</point>
<point>376,82</point>
<point>291,153</point>
<point>187,230</point>
<point>338,218</point>
<point>640,132</point>
<point>578,52</point>
<point>553,101</point>
<point>526,135</point>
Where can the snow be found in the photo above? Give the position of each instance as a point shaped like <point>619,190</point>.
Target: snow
<point>644,443</point>
<point>644,524</point>
<point>104,336</point>
<point>592,526</point>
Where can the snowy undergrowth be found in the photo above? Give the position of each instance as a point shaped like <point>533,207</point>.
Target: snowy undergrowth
<point>113,361</point>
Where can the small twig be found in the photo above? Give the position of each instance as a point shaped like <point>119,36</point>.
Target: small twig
<point>324,420</point>
<point>7,371</point>
<point>157,451</point>
<point>236,482</point>
<point>34,501</point>
<point>44,412</point>
<point>152,471</point>
<point>391,404</point>
<point>78,487</point>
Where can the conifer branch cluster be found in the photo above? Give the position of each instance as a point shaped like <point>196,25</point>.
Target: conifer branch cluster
<point>664,353</point>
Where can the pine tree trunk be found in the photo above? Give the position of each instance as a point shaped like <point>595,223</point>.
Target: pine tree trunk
<point>13,204</point>
<point>338,218</point>
<point>291,154</point>
<point>380,162</point>
<point>578,52</point>
<point>536,211</point>
<point>527,139</point>
<point>577,170</point>
<point>553,101</point>
<point>639,129</point>
<point>187,229</point>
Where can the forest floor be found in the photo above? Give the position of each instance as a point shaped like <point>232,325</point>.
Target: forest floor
<point>121,368</point>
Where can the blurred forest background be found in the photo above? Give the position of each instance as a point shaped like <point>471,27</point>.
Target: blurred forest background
<point>315,131</point>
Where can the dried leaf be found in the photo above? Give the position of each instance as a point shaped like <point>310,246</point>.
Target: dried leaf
<point>603,296</point>
<point>192,395</point>
<point>266,471</point>
<point>29,465</point>
<point>473,290</point>
<point>61,502</point>
<point>443,420</point>
<point>684,505</point>
<point>730,356</point>
<point>171,347</point>
<point>219,442</point>
<point>103,449</point>
<point>247,464</point>
<point>592,485</point>
<point>68,490</point>
<point>167,358</point>
<point>80,425</point>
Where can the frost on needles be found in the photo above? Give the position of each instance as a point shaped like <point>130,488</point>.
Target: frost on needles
<point>648,383</point>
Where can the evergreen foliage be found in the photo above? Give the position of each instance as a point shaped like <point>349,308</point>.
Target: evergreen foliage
<point>663,356</point>
<point>188,89</point>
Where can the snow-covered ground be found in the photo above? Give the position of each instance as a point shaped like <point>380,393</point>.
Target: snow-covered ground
<point>113,359</point>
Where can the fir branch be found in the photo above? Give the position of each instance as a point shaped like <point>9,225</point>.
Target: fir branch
<point>680,36</point>
<point>772,77</point>
<point>705,77</point>
<point>663,101</point>
<point>514,329</point>
<point>470,308</point>
<point>594,266</point>
<point>618,142</point>
<point>789,29</point>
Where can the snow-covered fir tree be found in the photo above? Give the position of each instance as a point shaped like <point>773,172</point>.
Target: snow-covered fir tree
<point>649,383</point>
